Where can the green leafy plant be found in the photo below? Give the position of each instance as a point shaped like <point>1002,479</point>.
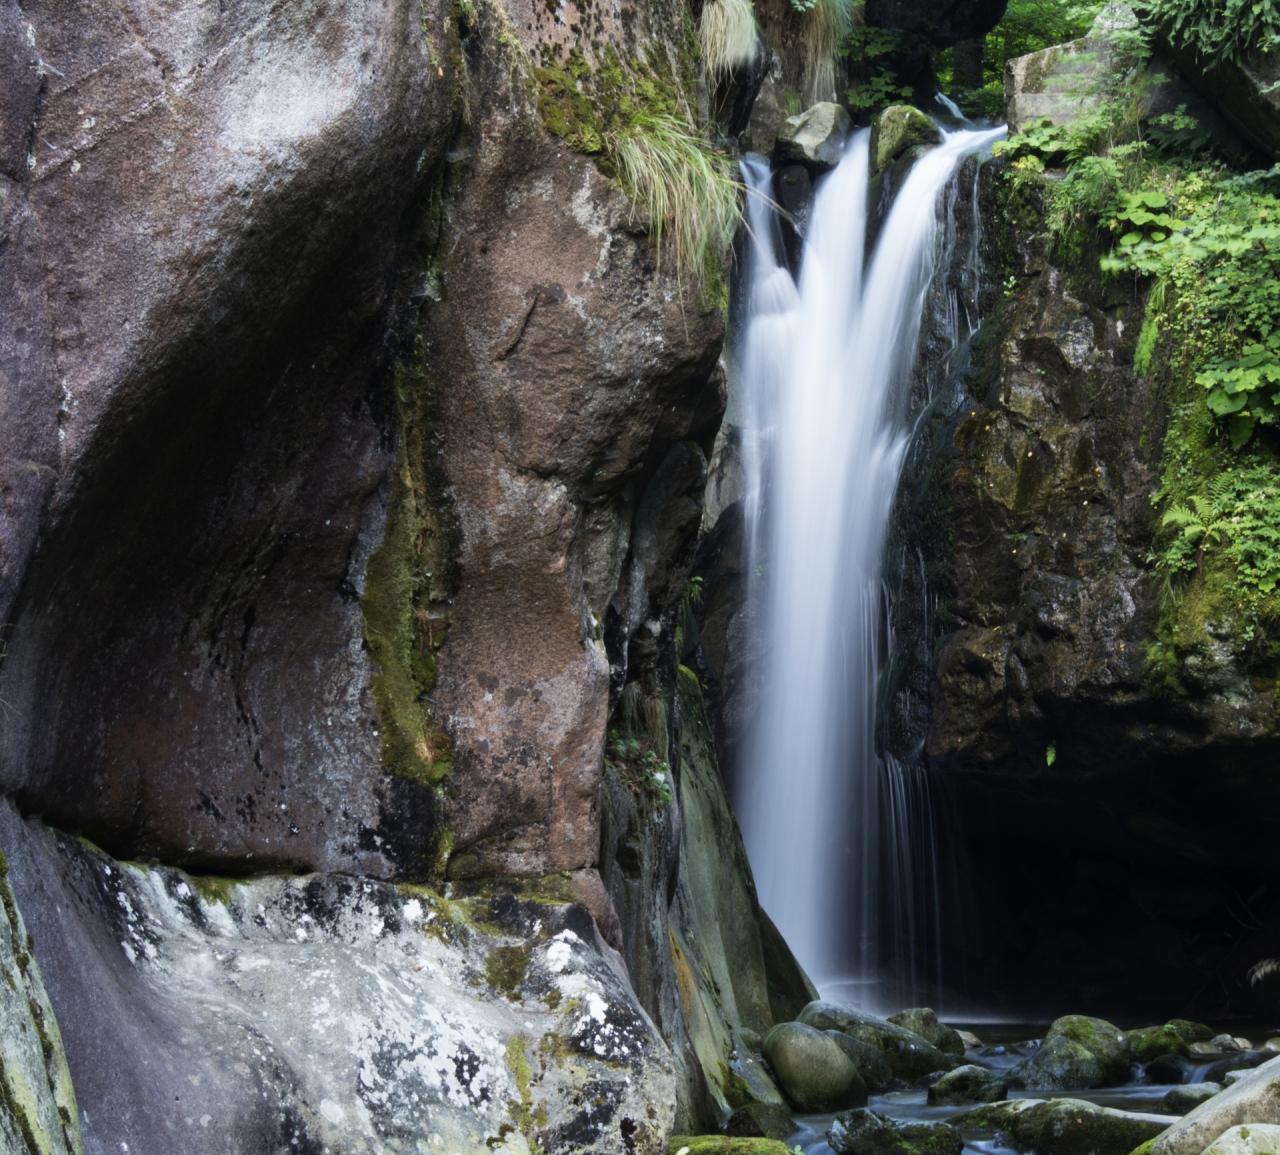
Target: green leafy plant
<point>1051,754</point>
<point>1217,31</point>
<point>869,53</point>
<point>639,764</point>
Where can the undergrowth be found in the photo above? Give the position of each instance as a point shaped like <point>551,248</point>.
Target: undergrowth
<point>1202,239</point>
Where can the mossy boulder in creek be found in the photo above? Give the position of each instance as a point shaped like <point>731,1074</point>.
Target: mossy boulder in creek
<point>865,1132</point>
<point>910,1056</point>
<point>1188,1097</point>
<point>1065,1126</point>
<point>968,1084</point>
<point>1254,1099</point>
<point>814,1073</point>
<point>897,129</point>
<point>760,1121</point>
<point>816,136</point>
<point>724,1145</point>
<point>869,1058</point>
<point>1149,1043</point>
<point>1078,1052</point>
<point>924,1022</point>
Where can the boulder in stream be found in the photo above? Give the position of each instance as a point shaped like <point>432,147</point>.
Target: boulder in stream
<point>1149,1043</point>
<point>1188,1097</point>
<point>869,1058</point>
<point>1254,1099</point>
<point>1066,1126</point>
<point>924,1022</point>
<point>1167,1070</point>
<point>814,1073</point>
<point>1079,1052</point>
<point>1240,1061</point>
<point>866,1132</point>
<point>968,1084</point>
<point>897,129</point>
<point>815,136</point>
<point>1250,1139</point>
<point>910,1056</point>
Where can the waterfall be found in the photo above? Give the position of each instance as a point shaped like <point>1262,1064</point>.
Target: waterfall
<point>823,367</point>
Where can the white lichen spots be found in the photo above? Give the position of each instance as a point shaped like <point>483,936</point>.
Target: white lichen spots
<point>300,934</point>
<point>597,1008</point>
<point>559,952</point>
<point>75,167</point>
<point>129,952</point>
<point>332,1111</point>
<point>412,910</point>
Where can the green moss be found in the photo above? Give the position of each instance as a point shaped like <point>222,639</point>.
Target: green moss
<point>505,968</point>
<point>737,1092</point>
<point>1144,1148</point>
<point>407,588</point>
<point>724,1145</point>
<point>528,1119</point>
<point>212,889</point>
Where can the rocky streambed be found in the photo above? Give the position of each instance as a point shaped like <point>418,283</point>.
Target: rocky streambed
<point>911,1085</point>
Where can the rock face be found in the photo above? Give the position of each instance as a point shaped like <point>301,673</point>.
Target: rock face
<point>235,1016</point>
<point>37,1101</point>
<point>1259,1138</point>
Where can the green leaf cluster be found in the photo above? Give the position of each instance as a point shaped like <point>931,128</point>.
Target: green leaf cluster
<point>639,764</point>
<point>870,54</point>
<point>1217,31</point>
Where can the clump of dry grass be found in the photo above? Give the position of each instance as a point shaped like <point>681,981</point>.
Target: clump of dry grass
<point>729,38</point>
<point>807,39</point>
<point>686,190</point>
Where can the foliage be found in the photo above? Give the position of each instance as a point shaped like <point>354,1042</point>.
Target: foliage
<point>728,37</point>
<point>640,765</point>
<point>1217,31</point>
<point>686,191</point>
<point>869,53</point>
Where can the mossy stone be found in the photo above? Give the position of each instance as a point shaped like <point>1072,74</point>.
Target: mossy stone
<point>871,1061</point>
<point>897,129</point>
<point>814,1073</point>
<point>761,1121</point>
<point>725,1145</point>
<point>1149,1043</point>
<point>864,1132</point>
<point>924,1022</point>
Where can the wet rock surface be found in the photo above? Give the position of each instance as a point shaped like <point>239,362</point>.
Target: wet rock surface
<point>865,1132</point>
<point>968,1084</point>
<point>1066,1126</point>
<point>909,1056</point>
<point>1254,1099</point>
<point>329,1011</point>
<point>1077,1052</point>
<point>816,1075</point>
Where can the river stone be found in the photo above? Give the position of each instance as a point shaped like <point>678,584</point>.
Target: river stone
<point>1066,1126</point>
<point>1149,1043</point>
<point>897,129</point>
<point>1191,1032</point>
<point>1254,1099</point>
<point>1167,1069</point>
<point>968,1084</point>
<point>761,1121</point>
<point>816,136</point>
<point>871,1061</point>
<point>814,1073</point>
<point>1247,1139</point>
<point>924,1023</point>
<point>865,1132</point>
<point>1228,1043</point>
<point>38,1113</point>
<point>910,1057</point>
<point>970,1040</point>
<point>1188,1097</point>
<point>1078,1052</point>
<point>1240,1061</point>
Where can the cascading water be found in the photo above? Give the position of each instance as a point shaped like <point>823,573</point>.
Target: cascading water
<point>823,368</point>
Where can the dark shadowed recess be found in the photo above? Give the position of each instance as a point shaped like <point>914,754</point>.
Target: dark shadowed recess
<point>185,677</point>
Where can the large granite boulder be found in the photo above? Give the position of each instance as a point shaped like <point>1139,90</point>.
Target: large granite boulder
<point>910,1057</point>
<point>815,1073</point>
<point>1254,1099</point>
<point>924,1022</point>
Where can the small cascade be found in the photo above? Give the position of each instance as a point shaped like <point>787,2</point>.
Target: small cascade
<point>825,366</point>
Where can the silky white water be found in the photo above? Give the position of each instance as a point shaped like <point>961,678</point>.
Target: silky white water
<point>823,371</point>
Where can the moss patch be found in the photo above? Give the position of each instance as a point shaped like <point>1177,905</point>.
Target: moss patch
<point>505,968</point>
<point>407,588</point>
<point>527,1118</point>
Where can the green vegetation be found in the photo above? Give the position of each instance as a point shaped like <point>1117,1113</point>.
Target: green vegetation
<point>632,119</point>
<point>638,764</point>
<point>1028,26</point>
<point>1217,31</point>
<point>1164,210</point>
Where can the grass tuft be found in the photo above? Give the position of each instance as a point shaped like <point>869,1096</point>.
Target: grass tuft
<point>687,191</point>
<point>728,35</point>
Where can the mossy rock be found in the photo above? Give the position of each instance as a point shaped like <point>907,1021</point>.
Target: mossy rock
<point>866,1132</point>
<point>761,1121</point>
<point>725,1145</point>
<point>868,1057</point>
<point>1190,1032</point>
<point>924,1022</point>
<point>1065,1126</point>
<point>814,1073</point>
<point>910,1056</point>
<point>1149,1043</point>
<point>1188,1097</point>
<point>897,129</point>
<point>968,1084</point>
<point>1078,1053</point>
